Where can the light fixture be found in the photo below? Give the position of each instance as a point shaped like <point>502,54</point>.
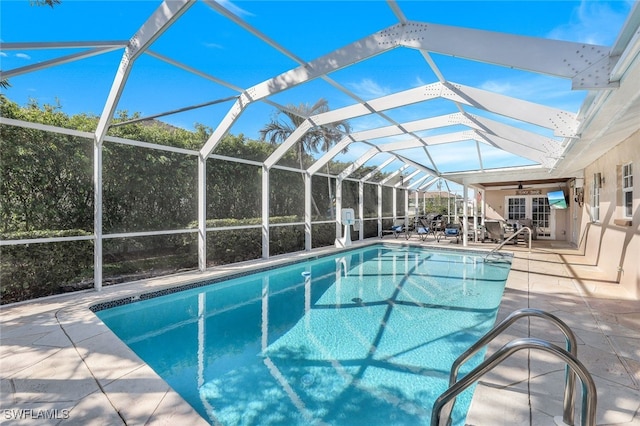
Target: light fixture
<point>519,185</point>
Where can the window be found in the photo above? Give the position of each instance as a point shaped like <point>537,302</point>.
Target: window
<point>627,190</point>
<point>516,208</point>
<point>595,198</point>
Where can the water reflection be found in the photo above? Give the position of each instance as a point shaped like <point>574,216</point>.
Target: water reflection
<point>364,338</point>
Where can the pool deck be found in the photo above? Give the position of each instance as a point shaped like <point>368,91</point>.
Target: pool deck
<point>57,359</point>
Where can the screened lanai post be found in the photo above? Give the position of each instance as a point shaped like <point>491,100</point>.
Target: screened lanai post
<point>202,212</point>
<point>265,211</point>
<point>380,209</point>
<point>361,210</point>
<point>475,216</point>
<point>394,205</point>
<point>161,19</point>
<point>483,211</point>
<point>307,211</point>
<point>465,215</point>
<point>97,212</point>
<point>406,208</point>
<point>338,208</point>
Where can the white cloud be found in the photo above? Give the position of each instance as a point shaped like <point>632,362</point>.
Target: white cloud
<point>593,22</point>
<point>502,87</point>
<point>236,10</point>
<point>213,45</point>
<point>545,90</point>
<point>22,56</point>
<point>369,89</point>
<point>3,54</point>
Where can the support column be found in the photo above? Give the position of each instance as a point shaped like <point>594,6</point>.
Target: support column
<point>361,210</point>
<point>379,210</point>
<point>202,213</point>
<point>97,214</point>
<point>475,216</point>
<point>406,208</point>
<point>465,217</point>
<point>395,204</point>
<point>338,208</point>
<point>265,212</point>
<point>307,211</point>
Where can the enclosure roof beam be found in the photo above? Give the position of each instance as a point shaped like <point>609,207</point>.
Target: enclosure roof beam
<point>358,163</point>
<point>335,150</point>
<point>418,181</point>
<point>384,164</point>
<point>521,52</point>
<point>587,65</point>
<point>418,165</point>
<point>394,174</point>
<point>408,178</point>
<point>428,184</point>
<point>159,21</point>
<point>57,61</point>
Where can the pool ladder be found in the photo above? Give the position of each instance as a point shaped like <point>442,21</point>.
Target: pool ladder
<point>442,408</point>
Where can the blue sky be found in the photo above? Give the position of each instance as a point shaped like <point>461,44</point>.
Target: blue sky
<point>205,40</point>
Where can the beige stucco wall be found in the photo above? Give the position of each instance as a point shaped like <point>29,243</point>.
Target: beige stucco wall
<point>610,244</point>
<point>609,248</point>
<point>495,208</point>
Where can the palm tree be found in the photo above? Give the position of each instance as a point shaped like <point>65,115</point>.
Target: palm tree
<point>320,137</point>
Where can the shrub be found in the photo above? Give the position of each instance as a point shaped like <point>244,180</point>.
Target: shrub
<point>41,269</point>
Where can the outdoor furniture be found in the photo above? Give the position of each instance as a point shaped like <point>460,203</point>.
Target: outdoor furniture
<point>437,228</point>
<point>499,230</point>
<point>452,230</point>
<point>422,228</point>
<point>398,228</point>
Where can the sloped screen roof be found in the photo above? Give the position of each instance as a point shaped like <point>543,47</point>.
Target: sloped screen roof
<point>441,87</point>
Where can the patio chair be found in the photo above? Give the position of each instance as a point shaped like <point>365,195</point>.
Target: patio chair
<point>397,229</point>
<point>452,230</point>
<point>437,228</point>
<point>497,230</point>
<point>422,228</point>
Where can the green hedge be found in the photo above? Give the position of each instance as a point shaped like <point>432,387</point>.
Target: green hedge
<point>35,270</point>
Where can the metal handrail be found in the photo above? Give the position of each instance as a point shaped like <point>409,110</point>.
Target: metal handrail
<point>589,395</point>
<point>512,236</point>
<point>571,347</point>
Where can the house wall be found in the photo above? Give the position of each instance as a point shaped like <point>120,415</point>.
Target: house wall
<point>609,247</point>
<point>495,208</point>
<point>612,243</point>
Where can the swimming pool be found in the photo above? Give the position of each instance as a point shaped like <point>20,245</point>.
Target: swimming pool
<point>367,336</point>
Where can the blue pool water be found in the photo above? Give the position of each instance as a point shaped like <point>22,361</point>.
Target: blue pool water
<point>364,337</point>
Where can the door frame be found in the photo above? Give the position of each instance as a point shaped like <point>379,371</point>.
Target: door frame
<point>529,213</point>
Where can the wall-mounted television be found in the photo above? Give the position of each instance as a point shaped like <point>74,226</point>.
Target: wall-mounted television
<point>557,200</point>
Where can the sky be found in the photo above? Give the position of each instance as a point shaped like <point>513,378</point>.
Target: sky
<point>205,40</point>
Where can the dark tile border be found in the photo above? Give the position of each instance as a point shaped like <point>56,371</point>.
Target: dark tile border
<point>158,293</point>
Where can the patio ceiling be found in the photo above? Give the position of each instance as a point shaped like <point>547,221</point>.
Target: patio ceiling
<point>442,124</point>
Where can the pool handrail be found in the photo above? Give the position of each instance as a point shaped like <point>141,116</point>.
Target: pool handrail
<point>571,347</point>
<point>511,237</point>
<point>589,394</point>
